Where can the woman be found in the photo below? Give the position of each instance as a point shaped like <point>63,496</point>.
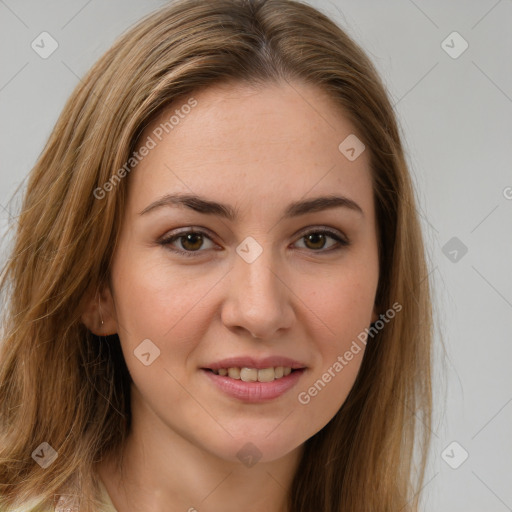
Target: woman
<point>218,282</point>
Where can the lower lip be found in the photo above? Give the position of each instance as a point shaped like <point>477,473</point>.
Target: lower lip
<point>255,391</point>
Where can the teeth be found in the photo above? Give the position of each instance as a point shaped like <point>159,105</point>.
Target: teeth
<point>234,373</point>
<point>253,374</point>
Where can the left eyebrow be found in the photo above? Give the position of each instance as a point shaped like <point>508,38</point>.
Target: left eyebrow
<point>209,207</point>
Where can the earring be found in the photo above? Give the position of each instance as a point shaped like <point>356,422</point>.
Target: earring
<point>99,310</point>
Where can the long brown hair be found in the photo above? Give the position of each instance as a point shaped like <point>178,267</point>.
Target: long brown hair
<point>62,385</point>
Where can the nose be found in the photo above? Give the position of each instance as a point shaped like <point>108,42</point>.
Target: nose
<point>258,298</point>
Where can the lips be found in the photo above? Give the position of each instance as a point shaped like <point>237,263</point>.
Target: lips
<point>254,392</point>
<point>252,379</point>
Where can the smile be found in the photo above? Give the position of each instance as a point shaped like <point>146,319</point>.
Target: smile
<point>245,384</point>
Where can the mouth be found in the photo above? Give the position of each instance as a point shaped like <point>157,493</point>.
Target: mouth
<point>254,385</point>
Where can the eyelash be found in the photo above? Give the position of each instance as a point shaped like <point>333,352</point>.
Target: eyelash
<point>167,241</point>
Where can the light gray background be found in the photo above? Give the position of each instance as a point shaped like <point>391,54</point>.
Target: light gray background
<point>456,116</point>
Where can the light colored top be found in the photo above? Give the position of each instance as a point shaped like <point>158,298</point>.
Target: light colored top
<point>104,496</point>
<point>108,507</point>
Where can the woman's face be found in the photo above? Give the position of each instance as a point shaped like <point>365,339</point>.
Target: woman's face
<point>266,282</point>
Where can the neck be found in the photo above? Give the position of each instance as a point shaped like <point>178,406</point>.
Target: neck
<point>164,471</point>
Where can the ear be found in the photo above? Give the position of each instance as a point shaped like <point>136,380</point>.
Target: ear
<point>98,306</point>
<point>375,316</point>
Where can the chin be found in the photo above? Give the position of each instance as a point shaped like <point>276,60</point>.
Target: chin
<point>253,449</point>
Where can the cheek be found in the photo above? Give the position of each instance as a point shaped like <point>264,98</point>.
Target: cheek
<point>339,312</point>
<point>343,303</point>
<point>322,394</point>
<point>157,302</point>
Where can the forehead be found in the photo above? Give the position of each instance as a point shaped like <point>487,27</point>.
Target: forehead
<point>238,142</point>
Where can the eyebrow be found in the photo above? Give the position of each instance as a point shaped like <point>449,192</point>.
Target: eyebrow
<point>209,207</point>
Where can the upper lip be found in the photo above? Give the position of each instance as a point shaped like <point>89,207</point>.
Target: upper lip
<point>253,362</point>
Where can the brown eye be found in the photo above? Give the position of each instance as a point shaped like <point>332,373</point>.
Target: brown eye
<point>316,241</point>
<point>191,241</point>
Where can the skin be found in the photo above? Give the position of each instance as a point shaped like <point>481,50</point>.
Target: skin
<point>244,147</point>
